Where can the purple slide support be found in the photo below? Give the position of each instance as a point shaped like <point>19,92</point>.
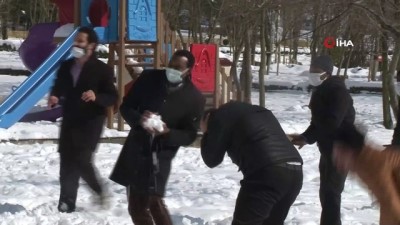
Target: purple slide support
<point>42,114</point>
<point>33,52</point>
<point>38,45</point>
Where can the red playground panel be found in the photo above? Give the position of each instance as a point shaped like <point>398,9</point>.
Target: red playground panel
<point>99,13</point>
<point>203,73</point>
<point>65,11</point>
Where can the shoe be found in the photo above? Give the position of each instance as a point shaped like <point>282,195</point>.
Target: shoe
<point>65,208</point>
<point>103,200</point>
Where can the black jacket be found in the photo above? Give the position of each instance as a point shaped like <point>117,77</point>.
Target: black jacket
<point>83,122</point>
<point>96,76</point>
<point>396,133</point>
<point>180,108</point>
<point>332,111</point>
<point>250,134</point>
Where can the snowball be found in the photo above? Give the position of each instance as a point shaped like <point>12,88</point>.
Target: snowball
<point>154,122</point>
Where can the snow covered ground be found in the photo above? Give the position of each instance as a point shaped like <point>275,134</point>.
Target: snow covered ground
<point>196,195</point>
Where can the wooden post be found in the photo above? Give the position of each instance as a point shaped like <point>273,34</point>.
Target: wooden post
<point>111,63</point>
<point>77,13</point>
<point>158,47</point>
<point>167,40</point>
<point>173,40</point>
<point>223,79</point>
<point>231,94</point>
<point>217,82</point>
<point>162,40</point>
<point>121,58</point>
<point>232,89</point>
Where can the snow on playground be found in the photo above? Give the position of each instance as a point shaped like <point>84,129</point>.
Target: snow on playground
<point>196,195</point>
<point>15,43</point>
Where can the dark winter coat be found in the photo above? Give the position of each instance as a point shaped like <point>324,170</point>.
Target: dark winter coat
<point>396,133</point>
<point>331,111</point>
<point>251,135</point>
<point>180,109</point>
<point>83,121</point>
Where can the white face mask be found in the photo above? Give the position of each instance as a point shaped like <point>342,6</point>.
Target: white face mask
<point>174,76</point>
<point>315,78</point>
<point>78,52</point>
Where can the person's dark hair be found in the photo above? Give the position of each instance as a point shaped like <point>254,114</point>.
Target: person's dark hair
<point>186,54</point>
<point>208,112</point>
<point>92,36</point>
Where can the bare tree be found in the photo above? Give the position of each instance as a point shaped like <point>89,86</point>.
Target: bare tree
<point>263,60</point>
<point>385,14</point>
<point>42,11</point>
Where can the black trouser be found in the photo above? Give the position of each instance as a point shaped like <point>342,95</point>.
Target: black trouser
<point>267,195</point>
<point>148,209</point>
<point>330,191</point>
<point>73,167</point>
<point>78,142</point>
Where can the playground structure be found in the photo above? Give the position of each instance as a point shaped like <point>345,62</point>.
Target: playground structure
<point>143,35</point>
<point>141,26</point>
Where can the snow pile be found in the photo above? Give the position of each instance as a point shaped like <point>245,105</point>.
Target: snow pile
<point>297,108</point>
<point>102,48</point>
<point>196,194</point>
<point>64,30</point>
<point>11,60</point>
<point>15,43</point>
<point>11,208</point>
<point>154,122</point>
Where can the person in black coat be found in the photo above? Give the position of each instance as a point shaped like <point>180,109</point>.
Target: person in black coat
<point>331,111</point>
<point>144,163</point>
<point>87,86</point>
<point>396,133</point>
<point>272,167</point>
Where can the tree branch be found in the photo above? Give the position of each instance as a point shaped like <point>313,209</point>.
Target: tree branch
<point>382,21</point>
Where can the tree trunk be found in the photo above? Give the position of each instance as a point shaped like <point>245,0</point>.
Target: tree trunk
<point>4,33</point>
<point>276,35</point>
<point>348,62</point>
<point>184,44</point>
<point>246,75</point>
<point>342,56</point>
<point>263,61</point>
<point>392,72</point>
<point>269,44</point>
<point>233,72</point>
<point>293,55</point>
<point>278,60</point>
<point>315,34</point>
<point>387,118</point>
<point>375,63</point>
<point>254,41</point>
<point>295,46</point>
<point>198,22</point>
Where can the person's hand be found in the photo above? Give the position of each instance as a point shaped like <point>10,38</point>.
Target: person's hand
<point>204,124</point>
<point>297,140</point>
<point>88,96</point>
<point>165,131</point>
<point>343,157</point>
<point>52,101</point>
<point>145,116</point>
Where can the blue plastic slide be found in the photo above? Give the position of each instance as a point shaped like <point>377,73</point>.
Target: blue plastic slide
<point>37,85</point>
